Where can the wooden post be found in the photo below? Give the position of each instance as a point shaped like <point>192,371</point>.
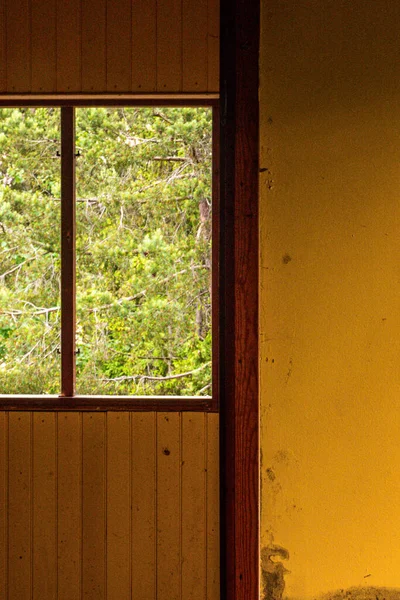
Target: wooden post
<point>68,235</point>
<point>239,373</point>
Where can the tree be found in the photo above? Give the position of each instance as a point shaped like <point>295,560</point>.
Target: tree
<point>143,250</point>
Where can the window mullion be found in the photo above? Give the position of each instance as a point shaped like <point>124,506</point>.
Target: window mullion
<point>68,253</point>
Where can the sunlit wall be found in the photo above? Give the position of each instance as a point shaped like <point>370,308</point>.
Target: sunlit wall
<point>330,297</point>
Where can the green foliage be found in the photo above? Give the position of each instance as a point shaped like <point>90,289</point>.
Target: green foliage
<point>143,250</point>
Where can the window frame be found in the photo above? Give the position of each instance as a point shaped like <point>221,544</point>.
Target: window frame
<point>67,399</point>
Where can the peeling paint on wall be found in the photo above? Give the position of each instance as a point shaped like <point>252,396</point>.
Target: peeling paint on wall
<point>273,572</point>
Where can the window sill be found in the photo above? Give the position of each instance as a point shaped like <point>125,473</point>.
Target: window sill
<point>107,403</point>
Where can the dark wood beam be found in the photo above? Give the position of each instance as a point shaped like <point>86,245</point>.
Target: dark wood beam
<point>68,258</point>
<point>239,375</point>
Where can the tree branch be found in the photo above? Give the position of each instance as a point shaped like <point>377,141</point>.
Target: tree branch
<point>151,378</point>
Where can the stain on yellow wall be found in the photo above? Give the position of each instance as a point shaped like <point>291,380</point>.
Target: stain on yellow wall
<point>330,297</point>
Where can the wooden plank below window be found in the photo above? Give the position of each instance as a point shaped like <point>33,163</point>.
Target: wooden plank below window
<point>44,521</point>
<point>69,504</point>
<point>20,507</point>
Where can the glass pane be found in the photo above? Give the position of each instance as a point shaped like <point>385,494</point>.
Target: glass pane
<point>29,251</point>
<point>144,251</point>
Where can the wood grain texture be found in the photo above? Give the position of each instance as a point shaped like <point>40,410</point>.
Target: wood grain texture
<point>94,51</point>
<point>169,46</point>
<point>213,49</point>
<point>118,43</point>
<point>3,55</point>
<point>94,486</point>
<point>118,506</point>
<point>194,45</point>
<point>18,46</point>
<point>20,507</point>
<point>169,497</point>
<point>194,485</point>
<point>3,504</point>
<point>212,506</point>
<point>239,300</point>
<point>144,45</point>
<point>109,46</point>
<point>144,503</point>
<point>69,504</point>
<point>44,521</point>
<point>68,46</point>
<point>43,45</point>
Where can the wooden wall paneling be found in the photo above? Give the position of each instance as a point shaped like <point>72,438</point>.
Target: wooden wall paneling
<point>20,506</point>
<point>194,530</point>
<point>3,504</point>
<point>212,542</point>
<point>119,47</point>
<point>18,47</point>
<point>169,521</point>
<point>144,45</point>
<point>194,45</point>
<point>44,521</point>
<point>3,70</point>
<point>94,67</point>
<point>213,46</point>
<point>118,506</point>
<point>69,505</point>
<point>144,462</point>
<point>68,46</point>
<point>169,46</point>
<point>43,31</point>
<point>94,506</point>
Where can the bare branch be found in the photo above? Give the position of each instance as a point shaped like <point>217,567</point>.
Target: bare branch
<point>151,378</point>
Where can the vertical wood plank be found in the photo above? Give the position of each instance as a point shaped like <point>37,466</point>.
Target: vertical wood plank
<point>18,47</point>
<point>213,46</point>
<point>144,45</point>
<point>3,70</point>
<point>119,48</point>
<point>68,46</point>
<point>3,504</point>
<point>69,509</point>
<point>194,45</point>
<point>193,506</point>
<point>144,505</point>
<point>20,506</point>
<point>44,524</point>
<point>212,547</point>
<point>94,46</point>
<point>118,506</point>
<point>169,511</point>
<point>94,507</point>
<point>43,29</point>
<point>169,46</point>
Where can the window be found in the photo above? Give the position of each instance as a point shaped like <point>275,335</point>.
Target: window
<point>107,266</point>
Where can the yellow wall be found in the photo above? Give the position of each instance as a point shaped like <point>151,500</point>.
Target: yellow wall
<point>330,302</point>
